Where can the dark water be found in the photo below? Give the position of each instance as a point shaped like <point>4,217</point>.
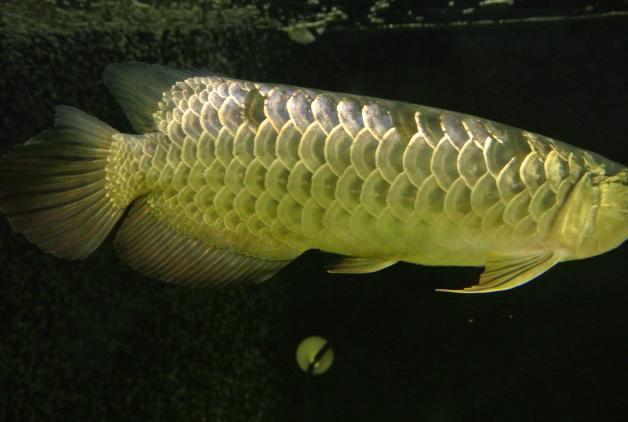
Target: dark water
<point>92,340</point>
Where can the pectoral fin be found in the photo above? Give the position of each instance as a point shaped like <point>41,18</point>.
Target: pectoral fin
<point>504,272</point>
<point>354,265</point>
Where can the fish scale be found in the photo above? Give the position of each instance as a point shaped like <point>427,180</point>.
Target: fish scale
<point>230,180</point>
<point>311,164</point>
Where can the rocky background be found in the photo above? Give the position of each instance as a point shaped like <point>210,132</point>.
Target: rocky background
<point>92,340</point>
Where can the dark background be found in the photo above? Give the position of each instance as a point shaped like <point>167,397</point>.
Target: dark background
<point>92,340</point>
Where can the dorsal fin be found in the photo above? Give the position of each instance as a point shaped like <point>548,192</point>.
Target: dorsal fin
<point>139,87</point>
<point>151,247</point>
<point>504,272</point>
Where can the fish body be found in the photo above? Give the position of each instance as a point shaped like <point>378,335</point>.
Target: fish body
<point>230,180</point>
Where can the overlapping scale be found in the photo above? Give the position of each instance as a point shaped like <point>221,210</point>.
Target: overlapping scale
<point>471,164</point>
<point>325,112</point>
<point>275,108</point>
<point>392,228</point>
<point>180,176</point>
<point>190,124</point>
<point>532,172</point>
<point>377,120</point>
<point>232,221</point>
<point>323,186</point>
<point>350,117</point>
<point>444,164</point>
<point>517,209</point>
<point>223,201</point>
<point>336,220</point>
<point>224,146</point>
<point>547,219</point>
<point>544,199</point>
<point>237,92</point>
<point>188,151</point>
<point>244,204</point>
<point>349,189</point>
<point>175,133</point>
<point>576,167</point>
<point>186,196</point>
<point>338,149</point>
<point>479,134</point>
<point>276,180</point>
<point>254,108</point>
<point>496,156</point>
<point>289,213</point>
<point>417,160</point>
<point>300,183</point>
<point>254,178</point>
<point>215,175</point>
<point>300,110</point>
<point>289,165</point>
<point>509,183</point>
<point>374,193</point>
<point>165,176</point>
<point>222,87</point>
<point>484,194</point>
<point>234,176</point>
<point>264,143</point>
<point>266,209</point>
<point>452,125</point>
<point>362,153</point>
<point>389,155</point>
<point>312,147</point>
<point>429,200</point>
<point>428,124</point>
<point>457,201</point>
<point>312,219</point>
<point>287,145</point>
<point>401,197</point>
<point>493,220</point>
<point>556,170</point>
<point>204,198</point>
<point>210,123</point>
<point>205,150</point>
<point>243,145</point>
<point>445,232</point>
<point>470,227</point>
<point>361,225</point>
<point>215,99</point>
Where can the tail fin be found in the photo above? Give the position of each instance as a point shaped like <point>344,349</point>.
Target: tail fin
<point>53,187</point>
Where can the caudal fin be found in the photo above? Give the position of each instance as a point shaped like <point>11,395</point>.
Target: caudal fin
<point>53,187</point>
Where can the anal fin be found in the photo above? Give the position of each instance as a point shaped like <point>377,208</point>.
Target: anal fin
<point>150,246</point>
<point>355,265</point>
<point>504,272</point>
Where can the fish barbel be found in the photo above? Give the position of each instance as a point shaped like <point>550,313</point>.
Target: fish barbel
<point>230,180</point>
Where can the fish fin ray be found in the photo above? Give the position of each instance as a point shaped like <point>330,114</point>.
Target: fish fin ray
<point>356,265</point>
<point>139,87</point>
<point>504,272</point>
<point>152,247</point>
<point>52,187</point>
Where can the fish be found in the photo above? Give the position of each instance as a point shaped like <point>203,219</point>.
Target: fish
<point>228,180</point>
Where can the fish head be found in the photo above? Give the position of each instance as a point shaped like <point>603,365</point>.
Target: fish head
<point>611,220</point>
<point>594,219</point>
